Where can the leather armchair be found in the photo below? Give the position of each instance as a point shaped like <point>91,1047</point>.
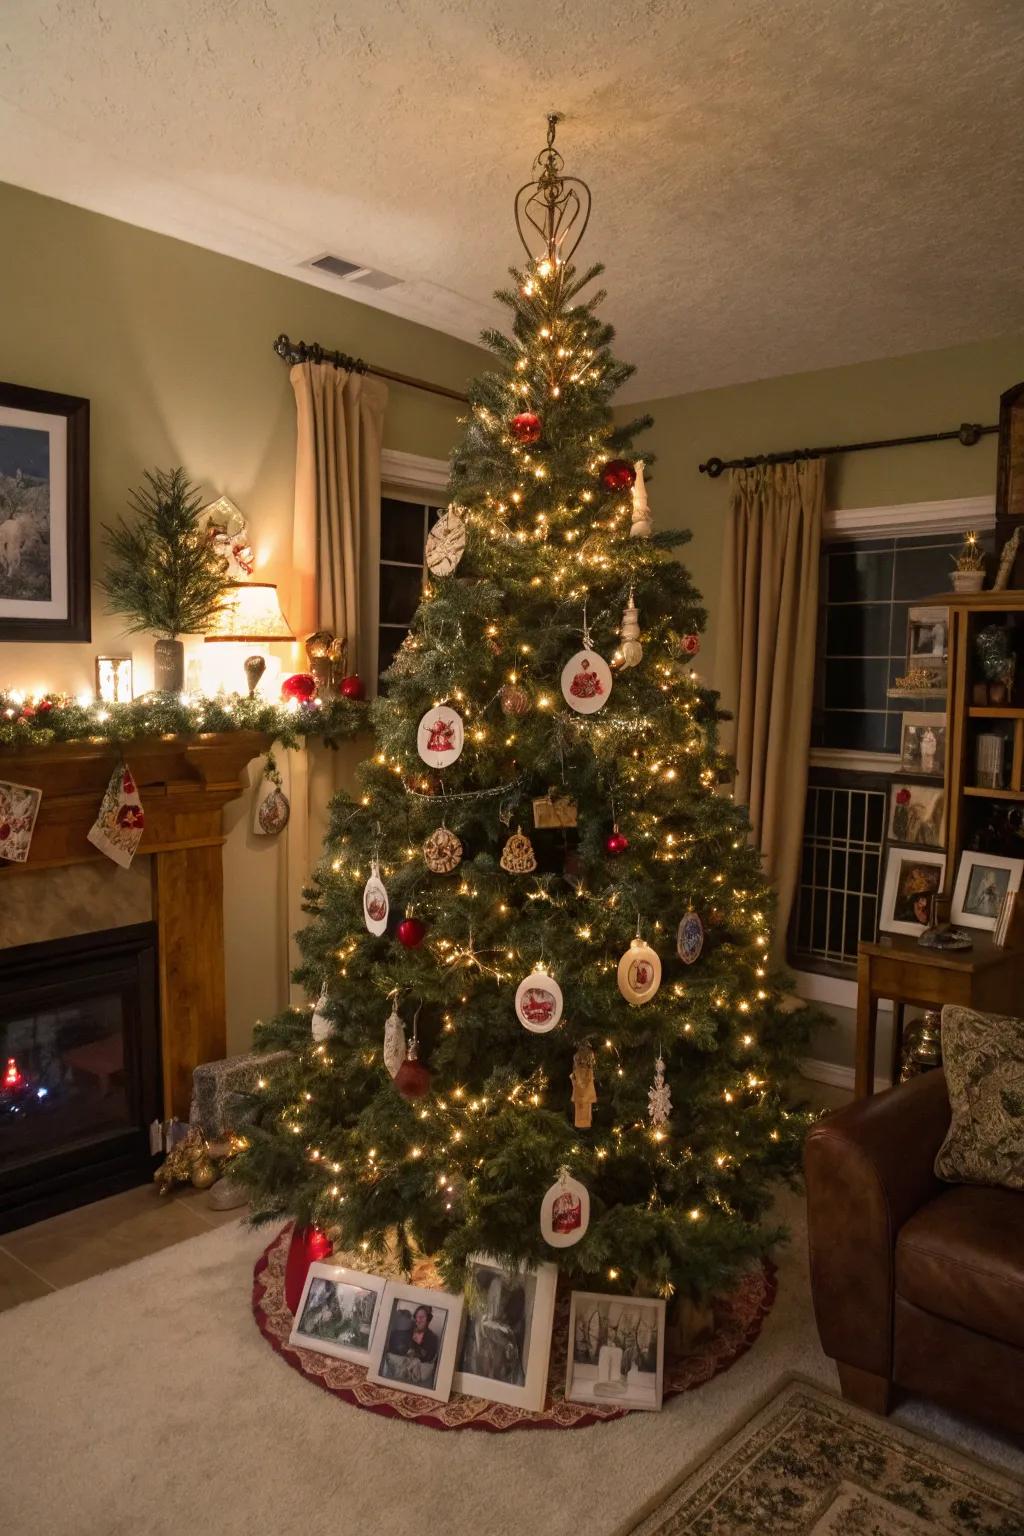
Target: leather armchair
<point>917,1284</point>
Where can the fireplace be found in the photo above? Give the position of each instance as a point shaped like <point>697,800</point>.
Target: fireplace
<point>80,1075</point>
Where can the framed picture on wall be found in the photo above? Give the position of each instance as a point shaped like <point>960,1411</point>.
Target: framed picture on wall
<point>44,515</point>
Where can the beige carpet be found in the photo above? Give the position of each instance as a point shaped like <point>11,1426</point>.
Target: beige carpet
<point>145,1401</point>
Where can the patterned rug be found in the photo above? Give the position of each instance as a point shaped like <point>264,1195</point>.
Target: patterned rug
<point>738,1320</point>
<point>811,1465</point>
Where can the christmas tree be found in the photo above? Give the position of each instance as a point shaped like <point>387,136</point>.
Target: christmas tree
<point>539,936</point>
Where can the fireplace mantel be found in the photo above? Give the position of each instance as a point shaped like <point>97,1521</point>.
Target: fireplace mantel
<point>184,782</point>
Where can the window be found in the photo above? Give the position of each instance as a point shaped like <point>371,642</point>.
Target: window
<point>404,526</point>
<point>836,901</point>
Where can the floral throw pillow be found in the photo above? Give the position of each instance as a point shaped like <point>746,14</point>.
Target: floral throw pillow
<point>983,1054</point>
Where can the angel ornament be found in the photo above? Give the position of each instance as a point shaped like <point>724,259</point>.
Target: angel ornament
<point>659,1095</point>
<point>584,1094</point>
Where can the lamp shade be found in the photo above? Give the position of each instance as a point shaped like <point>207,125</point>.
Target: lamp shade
<point>250,610</point>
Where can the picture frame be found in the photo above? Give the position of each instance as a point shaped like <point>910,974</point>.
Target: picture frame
<point>338,1312</point>
<point>44,516</point>
<point>616,1350</point>
<point>923,743</point>
<point>928,638</point>
<point>917,814</point>
<point>983,880</point>
<point>505,1340</point>
<point>115,679</point>
<point>413,1356</point>
<point>913,876</point>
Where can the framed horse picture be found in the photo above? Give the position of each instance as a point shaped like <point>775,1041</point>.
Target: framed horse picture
<point>44,515</point>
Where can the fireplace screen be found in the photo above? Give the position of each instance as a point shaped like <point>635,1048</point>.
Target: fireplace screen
<point>78,1069</point>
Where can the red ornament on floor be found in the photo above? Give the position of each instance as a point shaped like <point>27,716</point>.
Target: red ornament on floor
<point>411,932</point>
<point>353,687</point>
<point>617,475</point>
<point>526,427</point>
<point>615,843</point>
<point>308,1246</point>
<point>301,686</point>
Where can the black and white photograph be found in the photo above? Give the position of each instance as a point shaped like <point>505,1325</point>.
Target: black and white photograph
<point>616,1350</point>
<point>416,1340</point>
<point>923,744</point>
<point>983,881</point>
<point>338,1312</point>
<point>928,638</point>
<point>506,1332</point>
<point>913,877</point>
<point>44,515</point>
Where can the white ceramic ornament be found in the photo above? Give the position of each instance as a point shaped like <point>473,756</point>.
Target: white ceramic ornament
<point>440,736</point>
<point>394,1040</point>
<point>538,1002</point>
<point>320,1025</point>
<point>375,902</point>
<point>690,937</point>
<point>632,650</point>
<point>564,1211</point>
<point>639,973</point>
<point>446,544</point>
<point>586,682</point>
<point>642,527</point>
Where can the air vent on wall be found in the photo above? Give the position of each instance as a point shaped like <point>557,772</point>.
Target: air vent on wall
<point>351,272</point>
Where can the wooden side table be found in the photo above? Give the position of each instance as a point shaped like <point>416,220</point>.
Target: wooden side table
<point>897,968</point>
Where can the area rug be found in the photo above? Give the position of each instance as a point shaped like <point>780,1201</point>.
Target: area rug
<point>811,1465</point>
<point>738,1321</point>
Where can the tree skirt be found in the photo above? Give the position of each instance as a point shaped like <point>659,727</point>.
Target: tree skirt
<point>738,1320</point>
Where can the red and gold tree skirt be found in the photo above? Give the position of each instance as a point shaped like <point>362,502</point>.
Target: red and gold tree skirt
<point>738,1320</point>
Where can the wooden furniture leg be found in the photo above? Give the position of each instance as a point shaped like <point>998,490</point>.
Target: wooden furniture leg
<point>871,1392</point>
<point>899,1013</point>
<point>867,1029</point>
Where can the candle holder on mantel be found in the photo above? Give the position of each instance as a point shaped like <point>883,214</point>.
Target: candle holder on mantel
<point>250,612</point>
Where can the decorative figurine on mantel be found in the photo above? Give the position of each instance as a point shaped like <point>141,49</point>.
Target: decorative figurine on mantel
<point>969,566</point>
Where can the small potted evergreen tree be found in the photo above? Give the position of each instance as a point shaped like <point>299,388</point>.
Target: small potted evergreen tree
<point>163,574</point>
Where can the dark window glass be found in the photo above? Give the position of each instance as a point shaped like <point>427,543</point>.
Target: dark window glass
<point>401,531</point>
<point>856,684</point>
<point>855,730</point>
<point>400,588</point>
<point>858,629</point>
<point>858,575</point>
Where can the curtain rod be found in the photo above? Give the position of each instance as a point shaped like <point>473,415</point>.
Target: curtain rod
<point>968,433</point>
<point>313,352</point>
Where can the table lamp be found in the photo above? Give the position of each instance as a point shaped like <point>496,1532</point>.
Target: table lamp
<point>251,612</point>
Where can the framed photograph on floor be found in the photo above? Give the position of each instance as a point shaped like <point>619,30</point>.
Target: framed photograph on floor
<point>923,744</point>
<point>917,814</point>
<point>338,1312</point>
<point>913,876</point>
<point>416,1340</point>
<point>982,881</point>
<point>44,515</point>
<point>616,1350</point>
<point>505,1343</point>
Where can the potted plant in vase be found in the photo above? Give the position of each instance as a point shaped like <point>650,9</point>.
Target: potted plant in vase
<point>164,574</point>
<point>969,566</point>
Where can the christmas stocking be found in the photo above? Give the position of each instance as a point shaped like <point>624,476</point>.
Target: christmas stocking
<point>117,829</point>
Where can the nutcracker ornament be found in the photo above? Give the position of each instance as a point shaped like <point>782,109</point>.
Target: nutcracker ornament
<point>659,1096</point>
<point>584,1094</point>
<point>642,526</point>
<point>632,650</point>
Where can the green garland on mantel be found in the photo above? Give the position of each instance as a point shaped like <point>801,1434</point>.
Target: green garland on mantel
<point>26,722</point>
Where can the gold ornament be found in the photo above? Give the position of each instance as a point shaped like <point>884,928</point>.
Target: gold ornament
<point>584,1094</point>
<point>553,810</point>
<point>514,700</point>
<point>203,1174</point>
<point>442,851</point>
<point>517,856</point>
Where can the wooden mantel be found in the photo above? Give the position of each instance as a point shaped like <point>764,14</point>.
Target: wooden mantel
<point>184,782</point>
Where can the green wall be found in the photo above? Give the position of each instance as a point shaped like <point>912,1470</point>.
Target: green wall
<point>895,397</point>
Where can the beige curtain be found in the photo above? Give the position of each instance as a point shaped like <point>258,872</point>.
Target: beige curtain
<point>340,427</point>
<point>769,611</point>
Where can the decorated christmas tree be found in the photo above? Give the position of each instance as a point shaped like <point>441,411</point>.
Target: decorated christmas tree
<point>539,936</point>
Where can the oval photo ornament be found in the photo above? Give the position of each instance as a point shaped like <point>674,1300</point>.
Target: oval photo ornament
<point>586,682</point>
<point>690,937</point>
<point>440,736</point>
<point>375,902</point>
<point>538,1002</point>
<point>639,973</point>
<point>564,1212</point>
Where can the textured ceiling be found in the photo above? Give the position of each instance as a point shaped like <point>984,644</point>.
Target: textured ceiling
<point>778,184</point>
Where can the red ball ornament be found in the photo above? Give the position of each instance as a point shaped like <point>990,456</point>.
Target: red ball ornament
<point>617,475</point>
<point>301,686</point>
<point>353,687</point>
<point>615,843</point>
<point>308,1246</point>
<point>690,645</point>
<point>412,1078</point>
<point>411,932</point>
<point>526,427</point>
<point>43,707</point>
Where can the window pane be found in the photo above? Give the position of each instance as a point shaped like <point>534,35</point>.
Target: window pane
<point>858,575</point>
<point>856,684</point>
<point>859,730</point>
<point>922,571</point>
<point>400,589</point>
<point>401,531</point>
<point>858,630</point>
<point>388,643</point>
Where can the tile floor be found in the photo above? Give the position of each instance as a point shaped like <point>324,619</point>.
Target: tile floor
<point>65,1249</point>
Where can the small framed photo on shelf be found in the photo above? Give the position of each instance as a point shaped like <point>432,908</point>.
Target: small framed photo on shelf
<point>616,1350</point>
<point>923,744</point>
<point>917,814</point>
<point>983,881</point>
<point>928,639</point>
<point>338,1312</point>
<point>416,1341</point>
<point>114,679</point>
<point>506,1333</point>
<point>913,876</point>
